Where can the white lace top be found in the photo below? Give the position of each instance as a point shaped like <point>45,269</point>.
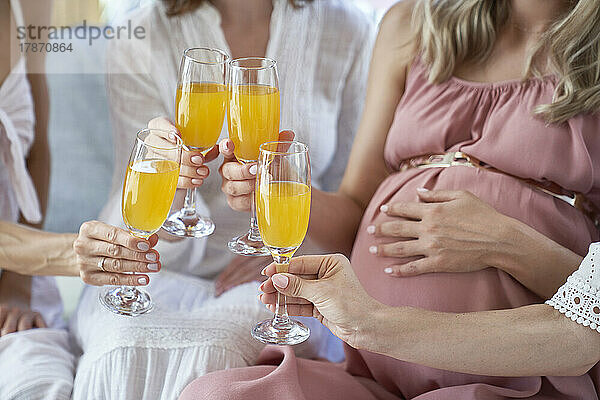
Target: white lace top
<point>579,297</point>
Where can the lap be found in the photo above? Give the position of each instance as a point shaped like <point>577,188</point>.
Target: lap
<point>36,364</point>
<point>280,374</point>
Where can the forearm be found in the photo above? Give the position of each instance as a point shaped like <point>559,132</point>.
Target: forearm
<point>528,341</point>
<point>30,251</point>
<point>536,261</point>
<point>334,221</point>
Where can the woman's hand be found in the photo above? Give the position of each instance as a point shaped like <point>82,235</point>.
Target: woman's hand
<point>193,172</point>
<point>240,270</point>
<point>15,318</point>
<point>324,287</point>
<point>106,254</point>
<point>453,231</point>
<point>239,179</point>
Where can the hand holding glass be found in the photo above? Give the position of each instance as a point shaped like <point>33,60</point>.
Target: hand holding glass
<point>148,192</point>
<point>282,196</point>
<point>200,106</point>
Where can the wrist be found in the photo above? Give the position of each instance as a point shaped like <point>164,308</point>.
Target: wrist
<point>508,253</point>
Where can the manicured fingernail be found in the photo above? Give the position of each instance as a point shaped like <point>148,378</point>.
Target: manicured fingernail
<point>373,249</point>
<point>142,280</point>
<point>422,190</point>
<point>172,136</point>
<point>143,246</point>
<point>229,146</point>
<point>388,270</point>
<point>151,257</point>
<point>197,181</point>
<point>264,271</point>
<point>197,160</point>
<point>262,286</point>
<point>280,280</point>
<point>202,171</point>
<point>252,170</point>
<point>153,267</point>
<point>371,229</point>
<point>384,208</point>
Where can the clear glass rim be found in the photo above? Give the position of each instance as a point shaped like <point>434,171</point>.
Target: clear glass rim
<point>226,58</point>
<point>302,147</point>
<point>175,146</point>
<point>271,63</point>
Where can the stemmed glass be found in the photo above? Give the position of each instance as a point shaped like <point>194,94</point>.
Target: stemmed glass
<point>148,192</point>
<point>200,106</point>
<point>283,194</point>
<point>253,119</point>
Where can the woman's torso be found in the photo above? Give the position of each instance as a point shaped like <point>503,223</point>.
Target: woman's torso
<point>314,71</point>
<point>494,123</point>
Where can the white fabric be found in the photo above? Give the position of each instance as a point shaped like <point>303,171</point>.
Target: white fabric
<point>322,52</point>
<point>36,365</point>
<point>579,297</point>
<point>154,356</point>
<point>17,121</point>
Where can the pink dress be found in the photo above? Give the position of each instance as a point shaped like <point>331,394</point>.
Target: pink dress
<point>494,123</point>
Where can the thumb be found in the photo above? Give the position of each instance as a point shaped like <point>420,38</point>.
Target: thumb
<point>226,148</point>
<point>438,196</point>
<point>293,286</point>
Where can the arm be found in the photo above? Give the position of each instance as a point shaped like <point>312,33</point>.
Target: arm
<point>366,168</point>
<point>517,342</point>
<point>527,341</point>
<point>53,254</point>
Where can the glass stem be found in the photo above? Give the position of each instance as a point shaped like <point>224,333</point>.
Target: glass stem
<point>189,204</point>
<point>281,319</point>
<point>253,233</point>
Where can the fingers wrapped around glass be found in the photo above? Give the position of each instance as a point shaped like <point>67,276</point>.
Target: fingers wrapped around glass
<point>200,107</point>
<point>148,192</point>
<point>283,197</point>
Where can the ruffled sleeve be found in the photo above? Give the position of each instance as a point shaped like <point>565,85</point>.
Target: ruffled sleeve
<point>579,297</point>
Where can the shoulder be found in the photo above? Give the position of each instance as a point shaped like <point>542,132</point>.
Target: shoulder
<point>396,24</point>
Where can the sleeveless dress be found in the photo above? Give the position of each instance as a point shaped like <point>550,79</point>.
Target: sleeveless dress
<point>490,121</point>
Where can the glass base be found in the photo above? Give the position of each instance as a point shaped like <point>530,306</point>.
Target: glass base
<point>182,225</point>
<point>244,246</point>
<point>290,333</point>
<point>125,300</point>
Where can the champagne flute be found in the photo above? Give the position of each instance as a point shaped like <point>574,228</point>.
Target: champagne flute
<point>253,119</point>
<point>282,194</point>
<point>148,192</point>
<point>200,106</point>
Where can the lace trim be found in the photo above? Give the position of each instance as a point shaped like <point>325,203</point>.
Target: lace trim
<point>226,328</point>
<point>578,300</point>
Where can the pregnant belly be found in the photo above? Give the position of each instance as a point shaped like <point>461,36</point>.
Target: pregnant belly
<point>452,292</point>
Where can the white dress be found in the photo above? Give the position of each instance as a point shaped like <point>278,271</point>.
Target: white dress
<point>35,364</point>
<point>323,51</point>
<point>579,297</point>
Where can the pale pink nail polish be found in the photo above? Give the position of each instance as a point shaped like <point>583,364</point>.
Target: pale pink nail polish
<point>371,229</point>
<point>373,249</point>
<point>142,280</point>
<point>388,270</point>
<point>384,208</point>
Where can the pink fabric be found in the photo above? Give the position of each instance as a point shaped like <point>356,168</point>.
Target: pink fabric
<point>494,123</point>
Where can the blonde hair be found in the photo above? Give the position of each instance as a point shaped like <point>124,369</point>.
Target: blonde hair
<point>454,32</point>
